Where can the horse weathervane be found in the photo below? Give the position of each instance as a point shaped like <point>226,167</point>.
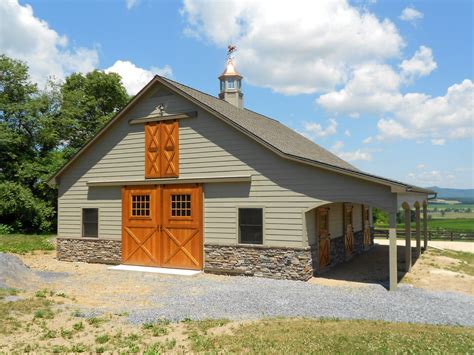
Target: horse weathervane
<point>231,48</point>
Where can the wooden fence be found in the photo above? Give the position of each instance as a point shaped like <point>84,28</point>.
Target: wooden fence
<point>432,234</point>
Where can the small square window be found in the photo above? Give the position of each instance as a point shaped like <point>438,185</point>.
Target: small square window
<point>140,205</point>
<point>181,205</point>
<point>231,84</point>
<point>90,222</point>
<point>251,225</point>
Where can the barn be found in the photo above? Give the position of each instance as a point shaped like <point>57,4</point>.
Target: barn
<point>185,180</point>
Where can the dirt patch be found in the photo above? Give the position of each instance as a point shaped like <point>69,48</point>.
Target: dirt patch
<point>433,272</point>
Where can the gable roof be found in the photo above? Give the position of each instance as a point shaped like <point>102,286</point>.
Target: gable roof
<point>271,133</point>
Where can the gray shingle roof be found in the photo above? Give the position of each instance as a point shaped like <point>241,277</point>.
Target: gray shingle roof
<point>271,131</point>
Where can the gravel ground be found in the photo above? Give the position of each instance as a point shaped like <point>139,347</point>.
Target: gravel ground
<point>147,297</point>
<point>250,298</point>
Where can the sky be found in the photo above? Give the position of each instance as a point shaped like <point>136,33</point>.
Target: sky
<point>385,85</point>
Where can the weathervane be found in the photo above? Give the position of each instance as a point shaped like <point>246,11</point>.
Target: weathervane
<point>231,48</point>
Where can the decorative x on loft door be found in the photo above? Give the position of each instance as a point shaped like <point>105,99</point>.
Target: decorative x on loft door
<point>162,149</point>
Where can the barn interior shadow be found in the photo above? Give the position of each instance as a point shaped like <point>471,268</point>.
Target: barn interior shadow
<point>371,267</point>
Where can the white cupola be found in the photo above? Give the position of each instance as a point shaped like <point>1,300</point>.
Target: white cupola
<point>231,82</point>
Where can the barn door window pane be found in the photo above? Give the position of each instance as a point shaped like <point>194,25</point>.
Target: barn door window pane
<point>90,222</point>
<point>140,205</point>
<point>181,205</point>
<point>251,225</point>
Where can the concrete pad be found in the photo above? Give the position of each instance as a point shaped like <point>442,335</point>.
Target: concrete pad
<point>157,270</point>
<point>441,244</point>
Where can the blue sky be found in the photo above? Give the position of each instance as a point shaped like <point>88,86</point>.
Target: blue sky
<point>368,80</point>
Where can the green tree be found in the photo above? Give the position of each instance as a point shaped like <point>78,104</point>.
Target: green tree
<point>39,130</point>
<point>88,102</point>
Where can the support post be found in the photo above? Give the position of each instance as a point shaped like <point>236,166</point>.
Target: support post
<point>418,231</point>
<point>425,226</point>
<point>392,236</point>
<point>407,239</point>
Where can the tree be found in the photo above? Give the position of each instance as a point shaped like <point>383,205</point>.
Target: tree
<point>39,130</point>
<point>88,102</point>
<point>28,139</point>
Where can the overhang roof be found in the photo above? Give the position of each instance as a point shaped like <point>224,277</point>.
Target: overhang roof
<point>267,131</point>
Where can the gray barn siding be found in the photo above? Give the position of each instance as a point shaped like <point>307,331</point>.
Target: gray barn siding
<point>208,147</point>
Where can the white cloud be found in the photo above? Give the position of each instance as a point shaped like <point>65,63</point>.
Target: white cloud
<point>410,14</point>
<point>368,140</point>
<point>131,3</point>
<point>347,133</point>
<point>421,64</point>
<point>372,87</point>
<point>424,176</point>
<point>333,36</point>
<point>315,130</point>
<point>135,78</point>
<point>376,89</point>
<point>26,37</point>
<point>438,141</point>
<point>356,155</point>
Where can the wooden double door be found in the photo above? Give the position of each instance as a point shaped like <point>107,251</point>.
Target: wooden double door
<point>162,226</point>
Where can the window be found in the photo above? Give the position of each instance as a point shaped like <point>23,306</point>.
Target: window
<point>251,225</point>
<point>181,205</point>
<point>140,205</point>
<point>231,84</point>
<point>90,222</point>
<point>222,85</point>
<point>239,84</point>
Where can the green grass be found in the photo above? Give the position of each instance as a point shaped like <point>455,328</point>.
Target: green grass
<point>24,243</point>
<point>448,224</point>
<point>295,336</point>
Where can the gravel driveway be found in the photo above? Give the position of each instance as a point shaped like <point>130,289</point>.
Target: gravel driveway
<point>148,297</point>
<point>249,298</point>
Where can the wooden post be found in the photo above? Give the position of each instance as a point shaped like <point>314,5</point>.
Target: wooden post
<point>418,230</point>
<point>407,239</point>
<point>393,269</point>
<point>425,226</point>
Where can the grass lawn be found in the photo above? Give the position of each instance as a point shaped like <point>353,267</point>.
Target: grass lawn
<point>23,243</point>
<point>338,336</point>
<point>449,224</point>
<point>35,323</point>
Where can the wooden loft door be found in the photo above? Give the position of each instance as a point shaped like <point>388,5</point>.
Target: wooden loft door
<point>152,150</point>
<point>324,237</point>
<point>140,226</point>
<point>348,229</point>
<point>170,148</point>
<point>162,149</point>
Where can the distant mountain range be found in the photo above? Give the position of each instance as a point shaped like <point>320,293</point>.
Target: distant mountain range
<point>463,195</point>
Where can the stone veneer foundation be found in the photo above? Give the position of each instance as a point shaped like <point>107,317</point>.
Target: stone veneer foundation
<point>91,250</point>
<point>241,259</point>
<point>258,260</point>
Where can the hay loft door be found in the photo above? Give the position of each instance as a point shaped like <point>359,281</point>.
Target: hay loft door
<point>162,226</point>
<point>140,225</point>
<point>182,242</point>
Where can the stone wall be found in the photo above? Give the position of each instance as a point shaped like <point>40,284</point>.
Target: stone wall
<point>337,250</point>
<point>261,261</point>
<point>91,250</point>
